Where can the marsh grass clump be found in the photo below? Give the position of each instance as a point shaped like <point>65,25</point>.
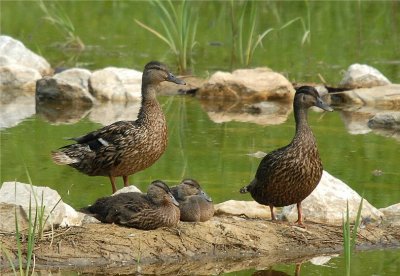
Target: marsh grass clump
<point>59,18</point>
<point>179,26</point>
<point>350,236</point>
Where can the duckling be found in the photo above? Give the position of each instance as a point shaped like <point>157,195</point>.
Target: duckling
<point>194,203</point>
<point>157,208</point>
<point>289,174</point>
<point>124,147</point>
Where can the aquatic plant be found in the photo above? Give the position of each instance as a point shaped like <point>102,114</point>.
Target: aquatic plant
<point>350,237</point>
<point>245,39</point>
<point>56,16</point>
<point>179,23</point>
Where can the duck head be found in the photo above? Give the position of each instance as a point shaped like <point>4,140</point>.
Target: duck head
<point>156,72</point>
<point>189,187</point>
<point>160,193</point>
<point>307,96</point>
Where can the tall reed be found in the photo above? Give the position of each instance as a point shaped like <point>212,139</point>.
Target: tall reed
<point>56,16</point>
<point>350,237</point>
<point>179,26</point>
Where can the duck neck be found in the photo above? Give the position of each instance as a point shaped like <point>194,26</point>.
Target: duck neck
<point>149,105</point>
<point>303,130</point>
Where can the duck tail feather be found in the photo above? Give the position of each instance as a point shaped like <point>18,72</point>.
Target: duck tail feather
<point>60,158</point>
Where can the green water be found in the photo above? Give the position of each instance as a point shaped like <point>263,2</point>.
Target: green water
<point>342,33</point>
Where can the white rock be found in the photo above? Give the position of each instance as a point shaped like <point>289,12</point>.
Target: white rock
<point>129,189</point>
<point>116,84</point>
<point>16,196</point>
<point>327,203</point>
<point>17,54</point>
<point>18,77</point>
<point>361,75</point>
<point>250,209</point>
<point>392,214</point>
<point>255,85</point>
<point>75,76</point>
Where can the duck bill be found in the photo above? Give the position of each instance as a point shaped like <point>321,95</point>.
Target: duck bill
<point>174,201</point>
<point>321,104</point>
<point>206,197</point>
<point>174,79</point>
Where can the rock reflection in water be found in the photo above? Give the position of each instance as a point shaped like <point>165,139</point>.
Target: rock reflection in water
<point>102,113</point>
<point>272,272</point>
<point>14,110</point>
<point>262,113</point>
<point>61,113</point>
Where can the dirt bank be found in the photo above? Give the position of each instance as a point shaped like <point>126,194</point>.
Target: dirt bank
<point>219,245</point>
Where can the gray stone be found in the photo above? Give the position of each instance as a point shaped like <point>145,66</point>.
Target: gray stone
<point>250,85</point>
<point>327,203</point>
<point>16,196</point>
<point>116,84</point>
<point>54,90</point>
<point>362,76</point>
<point>19,78</point>
<point>13,52</point>
<point>250,209</point>
<point>385,120</point>
<point>75,76</point>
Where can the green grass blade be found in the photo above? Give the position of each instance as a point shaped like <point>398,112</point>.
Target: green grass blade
<point>357,224</point>
<point>160,36</point>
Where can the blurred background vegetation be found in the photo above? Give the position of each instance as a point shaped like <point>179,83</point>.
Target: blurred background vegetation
<point>298,38</point>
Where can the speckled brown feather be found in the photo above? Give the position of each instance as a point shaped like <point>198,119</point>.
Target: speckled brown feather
<point>194,203</point>
<point>289,174</point>
<point>125,147</point>
<point>142,211</point>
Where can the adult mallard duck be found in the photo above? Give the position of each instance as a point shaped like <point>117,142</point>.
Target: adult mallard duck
<point>194,203</point>
<point>125,147</point>
<point>289,174</point>
<point>157,208</point>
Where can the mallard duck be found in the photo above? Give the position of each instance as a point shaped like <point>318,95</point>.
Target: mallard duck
<point>289,174</point>
<point>157,208</point>
<point>194,203</point>
<point>124,147</point>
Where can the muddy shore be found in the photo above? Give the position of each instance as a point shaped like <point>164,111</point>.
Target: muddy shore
<point>222,244</point>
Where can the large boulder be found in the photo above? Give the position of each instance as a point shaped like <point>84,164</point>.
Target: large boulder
<point>17,79</point>
<point>386,97</point>
<point>75,76</point>
<point>57,90</point>
<point>362,76</point>
<point>250,85</point>
<point>16,53</point>
<point>327,203</point>
<point>15,198</point>
<point>116,84</point>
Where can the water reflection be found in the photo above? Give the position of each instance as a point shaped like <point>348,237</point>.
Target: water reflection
<point>262,113</point>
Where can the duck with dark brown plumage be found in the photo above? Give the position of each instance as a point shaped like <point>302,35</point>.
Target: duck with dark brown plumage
<point>289,174</point>
<point>125,147</point>
<point>157,208</point>
<point>194,203</point>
